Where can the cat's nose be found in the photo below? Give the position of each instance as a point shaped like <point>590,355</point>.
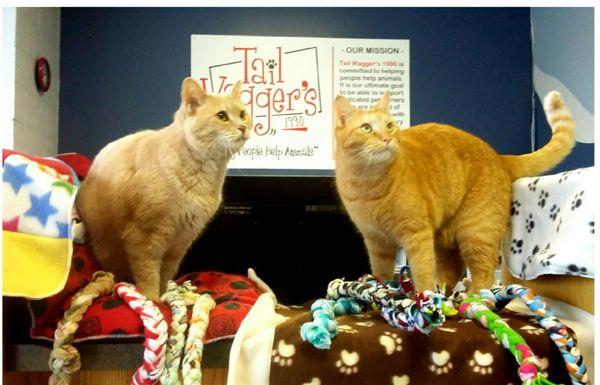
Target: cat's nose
<point>242,129</point>
<point>386,139</point>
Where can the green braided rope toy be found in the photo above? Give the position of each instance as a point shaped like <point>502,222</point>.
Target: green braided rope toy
<point>530,367</point>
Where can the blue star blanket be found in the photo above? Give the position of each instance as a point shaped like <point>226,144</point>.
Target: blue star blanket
<point>38,197</point>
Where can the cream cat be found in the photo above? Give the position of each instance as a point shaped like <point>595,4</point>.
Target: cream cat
<point>148,195</point>
<point>440,192</point>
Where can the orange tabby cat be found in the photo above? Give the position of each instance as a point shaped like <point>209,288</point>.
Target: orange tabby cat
<point>441,193</point>
<point>150,194</point>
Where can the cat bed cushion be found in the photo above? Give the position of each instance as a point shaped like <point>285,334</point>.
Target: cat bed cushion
<point>110,318</point>
<point>552,225</point>
<point>367,350</point>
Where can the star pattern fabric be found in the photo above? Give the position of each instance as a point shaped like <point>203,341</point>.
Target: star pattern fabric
<point>63,229</point>
<point>16,176</point>
<point>37,208</point>
<point>37,198</point>
<point>41,207</point>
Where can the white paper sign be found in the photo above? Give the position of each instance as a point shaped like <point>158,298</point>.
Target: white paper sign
<point>289,84</point>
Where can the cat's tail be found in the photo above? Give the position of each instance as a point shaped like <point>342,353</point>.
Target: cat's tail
<point>557,149</point>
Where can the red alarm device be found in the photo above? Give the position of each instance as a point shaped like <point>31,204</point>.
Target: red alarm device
<point>42,74</point>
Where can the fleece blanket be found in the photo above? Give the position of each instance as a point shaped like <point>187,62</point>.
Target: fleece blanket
<point>552,225</point>
<point>38,196</point>
<point>268,350</point>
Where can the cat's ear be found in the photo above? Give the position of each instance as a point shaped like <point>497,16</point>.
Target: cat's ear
<point>192,94</point>
<point>237,89</point>
<point>384,103</point>
<point>341,108</point>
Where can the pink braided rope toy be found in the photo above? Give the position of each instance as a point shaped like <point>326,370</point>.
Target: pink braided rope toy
<point>155,329</point>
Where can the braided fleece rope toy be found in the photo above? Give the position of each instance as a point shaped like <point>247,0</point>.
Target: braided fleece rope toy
<point>64,358</point>
<point>500,296</point>
<point>155,330</point>
<point>194,344</point>
<point>323,328</point>
<point>179,322</point>
<point>530,367</point>
<point>424,313</point>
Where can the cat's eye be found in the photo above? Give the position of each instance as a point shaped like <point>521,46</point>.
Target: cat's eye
<point>366,127</point>
<point>390,126</point>
<point>243,115</point>
<point>222,116</point>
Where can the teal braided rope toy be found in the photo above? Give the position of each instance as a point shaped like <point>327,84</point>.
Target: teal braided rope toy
<point>323,328</point>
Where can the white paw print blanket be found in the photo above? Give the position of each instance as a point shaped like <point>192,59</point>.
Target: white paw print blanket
<point>552,225</point>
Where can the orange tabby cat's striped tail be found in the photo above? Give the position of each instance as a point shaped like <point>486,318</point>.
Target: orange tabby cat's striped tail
<point>559,146</point>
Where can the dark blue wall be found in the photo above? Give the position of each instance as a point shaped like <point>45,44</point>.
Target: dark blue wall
<point>121,69</point>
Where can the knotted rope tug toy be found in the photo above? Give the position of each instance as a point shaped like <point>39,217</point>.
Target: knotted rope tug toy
<point>179,297</point>
<point>323,328</point>
<point>179,322</point>
<point>155,331</point>
<point>192,374</point>
<point>530,366</point>
<point>64,358</point>
<point>500,296</point>
<point>424,312</point>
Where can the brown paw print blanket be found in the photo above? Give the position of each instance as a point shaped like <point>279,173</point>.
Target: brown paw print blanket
<point>268,350</point>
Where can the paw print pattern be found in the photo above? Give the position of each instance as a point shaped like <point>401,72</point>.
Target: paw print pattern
<point>391,342</point>
<point>564,176</point>
<point>546,261</point>
<point>574,269</point>
<point>577,201</point>
<point>347,362</point>
<point>534,252</point>
<point>522,274</point>
<point>514,208</point>
<point>283,354</point>
<point>554,210</point>
<point>591,227</point>
<point>533,330</point>
<point>496,341</point>
<point>347,329</point>
<point>400,380</point>
<point>516,246</point>
<point>271,64</point>
<point>529,223</point>
<point>440,362</point>
<point>532,185</point>
<point>314,381</point>
<point>366,324</point>
<point>542,199</point>
<point>481,363</point>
